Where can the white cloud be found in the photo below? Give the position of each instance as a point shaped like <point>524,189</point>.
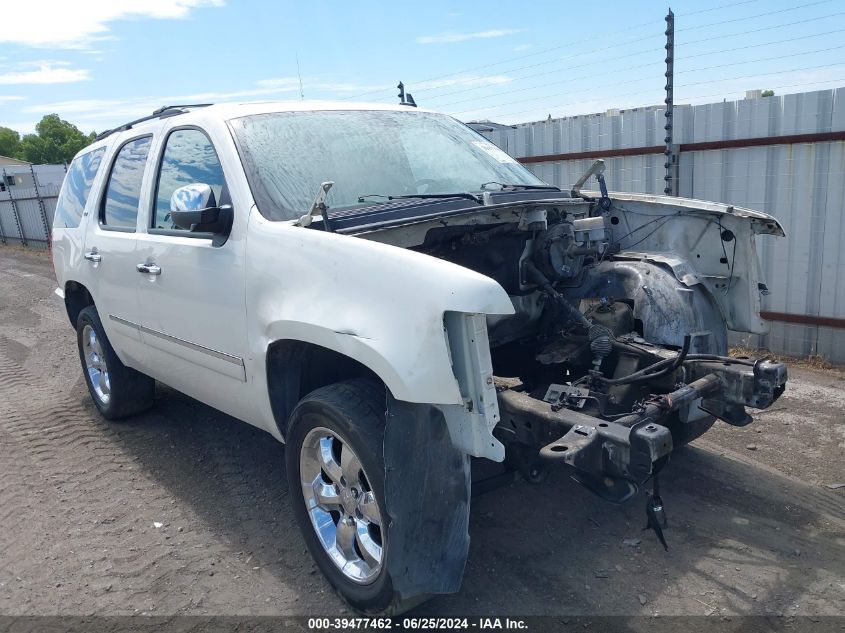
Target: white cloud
<point>464,80</point>
<point>311,85</point>
<point>280,82</point>
<point>46,74</point>
<point>447,37</point>
<point>63,24</point>
<point>522,47</point>
<point>9,98</point>
<point>100,114</point>
<point>115,110</point>
<point>21,127</point>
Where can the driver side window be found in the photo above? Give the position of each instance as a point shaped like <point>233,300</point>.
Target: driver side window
<point>188,158</point>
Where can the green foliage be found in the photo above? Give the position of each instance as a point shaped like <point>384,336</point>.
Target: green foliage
<point>56,141</point>
<point>10,142</point>
<point>768,93</point>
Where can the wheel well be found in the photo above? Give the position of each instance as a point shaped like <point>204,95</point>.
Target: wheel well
<point>296,368</point>
<point>77,298</point>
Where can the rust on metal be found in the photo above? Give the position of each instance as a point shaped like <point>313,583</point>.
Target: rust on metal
<point>791,139</point>
<point>601,153</point>
<point>804,319</point>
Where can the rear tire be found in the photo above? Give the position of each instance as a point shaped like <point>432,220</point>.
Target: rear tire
<point>117,390</point>
<point>335,470</point>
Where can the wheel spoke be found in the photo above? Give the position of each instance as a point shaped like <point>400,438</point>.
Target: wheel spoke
<point>351,467</point>
<point>369,548</point>
<point>345,538</point>
<point>325,494</point>
<point>327,461</point>
<point>368,508</point>
<point>101,382</point>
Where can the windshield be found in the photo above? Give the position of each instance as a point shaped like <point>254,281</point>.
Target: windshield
<point>366,153</point>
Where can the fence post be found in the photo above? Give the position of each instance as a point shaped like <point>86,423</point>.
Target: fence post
<point>671,163</point>
<point>41,206</point>
<point>2,233</point>
<point>14,210</point>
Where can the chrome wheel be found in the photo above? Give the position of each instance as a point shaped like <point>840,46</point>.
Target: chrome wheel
<point>342,505</point>
<point>95,364</point>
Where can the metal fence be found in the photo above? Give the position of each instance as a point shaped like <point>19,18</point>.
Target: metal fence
<point>782,155</point>
<point>26,215</point>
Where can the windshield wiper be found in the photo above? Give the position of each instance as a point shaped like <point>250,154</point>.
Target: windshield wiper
<point>504,186</point>
<point>426,196</point>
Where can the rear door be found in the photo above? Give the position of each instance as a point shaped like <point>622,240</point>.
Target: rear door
<point>193,303</point>
<point>72,206</point>
<point>110,249</point>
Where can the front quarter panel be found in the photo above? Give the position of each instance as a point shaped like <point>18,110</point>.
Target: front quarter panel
<point>379,304</point>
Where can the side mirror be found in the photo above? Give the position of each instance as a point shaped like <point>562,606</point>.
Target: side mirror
<point>194,207</point>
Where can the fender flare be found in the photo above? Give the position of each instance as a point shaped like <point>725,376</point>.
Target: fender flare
<point>365,351</point>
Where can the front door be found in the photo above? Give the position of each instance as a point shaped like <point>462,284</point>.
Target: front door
<point>191,292</point>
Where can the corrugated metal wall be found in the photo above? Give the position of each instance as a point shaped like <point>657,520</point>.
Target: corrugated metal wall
<point>24,221</point>
<point>801,184</point>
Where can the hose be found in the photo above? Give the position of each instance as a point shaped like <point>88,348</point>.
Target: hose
<point>656,370</point>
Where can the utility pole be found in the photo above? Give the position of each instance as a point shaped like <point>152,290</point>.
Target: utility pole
<point>671,163</point>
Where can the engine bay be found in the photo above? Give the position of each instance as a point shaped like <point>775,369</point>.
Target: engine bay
<point>614,355</point>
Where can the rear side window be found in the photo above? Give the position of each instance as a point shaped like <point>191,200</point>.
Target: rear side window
<point>189,158</point>
<point>123,192</point>
<point>76,188</point>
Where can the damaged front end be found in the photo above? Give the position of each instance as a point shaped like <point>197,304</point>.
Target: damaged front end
<point>616,352</point>
<point>632,360</point>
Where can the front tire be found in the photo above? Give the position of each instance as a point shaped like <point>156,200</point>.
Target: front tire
<point>117,390</point>
<point>335,472</point>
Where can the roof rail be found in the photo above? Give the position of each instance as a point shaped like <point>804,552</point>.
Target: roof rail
<point>160,113</point>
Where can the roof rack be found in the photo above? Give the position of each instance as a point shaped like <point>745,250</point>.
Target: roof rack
<point>161,113</point>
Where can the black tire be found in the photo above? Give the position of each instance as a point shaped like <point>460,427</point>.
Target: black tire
<point>129,391</point>
<point>354,411</point>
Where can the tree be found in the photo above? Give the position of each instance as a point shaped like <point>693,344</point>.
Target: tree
<point>56,141</point>
<point>768,93</point>
<point>10,142</point>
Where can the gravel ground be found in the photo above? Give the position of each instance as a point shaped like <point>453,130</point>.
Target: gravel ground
<point>184,510</point>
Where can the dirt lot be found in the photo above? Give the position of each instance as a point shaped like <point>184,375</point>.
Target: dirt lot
<point>753,528</point>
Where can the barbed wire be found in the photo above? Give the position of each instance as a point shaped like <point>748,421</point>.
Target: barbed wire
<point>689,98</point>
<point>420,85</point>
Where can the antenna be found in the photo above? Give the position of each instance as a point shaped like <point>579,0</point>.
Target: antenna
<point>299,74</point>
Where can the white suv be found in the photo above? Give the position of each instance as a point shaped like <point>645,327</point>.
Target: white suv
<point>389,294</point>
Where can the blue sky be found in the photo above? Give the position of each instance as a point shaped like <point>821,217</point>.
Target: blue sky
<point>98,63</point>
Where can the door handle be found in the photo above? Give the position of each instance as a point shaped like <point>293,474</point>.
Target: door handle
<point>150,269</point>
<point>93,256</point>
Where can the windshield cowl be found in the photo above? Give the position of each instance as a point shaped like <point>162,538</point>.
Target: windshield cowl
<point>387,213</point>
